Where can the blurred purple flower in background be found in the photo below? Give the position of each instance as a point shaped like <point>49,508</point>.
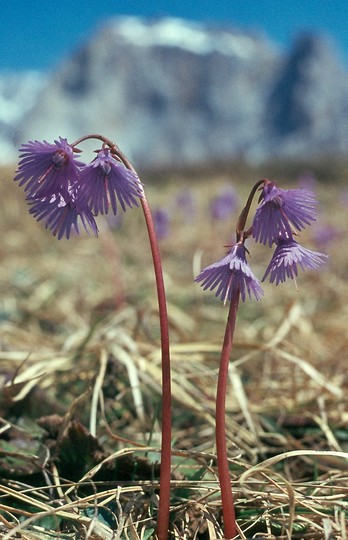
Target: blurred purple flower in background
<point>230,275</point>
<point>185,204</point>
<point>344,196</point>
<point>287,256</point>
<point>114,221</point>
<point>161,220</point>
<point>280,210</point>
<point>307,180</point>
<point>224,204</point>
<point>324,235</point>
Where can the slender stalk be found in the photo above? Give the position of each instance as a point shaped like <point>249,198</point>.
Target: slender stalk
<point>164,496</point>
<point>165,471</point>
<point>227,500</point>
<point>244,213</point>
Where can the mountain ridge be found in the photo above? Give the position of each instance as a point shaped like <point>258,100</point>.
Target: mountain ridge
<point>173,92</point>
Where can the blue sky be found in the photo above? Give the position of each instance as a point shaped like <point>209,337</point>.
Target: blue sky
<point>38,34</point>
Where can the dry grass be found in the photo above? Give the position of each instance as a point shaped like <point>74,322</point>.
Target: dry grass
<point>80,377</point>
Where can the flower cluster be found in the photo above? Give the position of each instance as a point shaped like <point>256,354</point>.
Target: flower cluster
<point>62,191</point>
<point>281,214</point>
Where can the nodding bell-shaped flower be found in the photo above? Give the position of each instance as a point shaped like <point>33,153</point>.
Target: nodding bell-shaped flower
<point>107,182</point>
<point>287,257</point>
<point>230,275</point>
<point>62,191</point>
<point>47,169</point>
<point>62,215</point>
<point>281,211</point>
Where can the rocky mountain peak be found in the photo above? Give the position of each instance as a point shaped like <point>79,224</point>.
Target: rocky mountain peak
<point>309,96</point>
<point>174,92</point>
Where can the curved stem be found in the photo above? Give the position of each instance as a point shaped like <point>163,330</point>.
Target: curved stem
<point>228,511</point>
<point>165,472</point>
<point>93,136</point>
<point>244,213</point>
<point>164,496</point>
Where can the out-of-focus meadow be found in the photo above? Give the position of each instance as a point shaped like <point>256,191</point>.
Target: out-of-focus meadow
<point>81,382</point>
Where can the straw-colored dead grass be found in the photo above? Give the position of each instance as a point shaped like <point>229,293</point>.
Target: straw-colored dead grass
<point>80,373</point>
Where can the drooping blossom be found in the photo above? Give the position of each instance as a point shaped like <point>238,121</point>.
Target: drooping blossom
<point>231,275</point>
<point>106,182</point>
<point>47,169</point>
<point>287,257</point>
<point>62,215</point>
<point>281,211</point>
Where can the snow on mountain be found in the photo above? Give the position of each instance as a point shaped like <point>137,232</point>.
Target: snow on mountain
<point>192,36</point>
<point>19,92</point>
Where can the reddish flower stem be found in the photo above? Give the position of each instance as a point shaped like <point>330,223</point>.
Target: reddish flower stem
<point>230,526</point>
<point>165,471</point>
<point>244,213</point>
<point>229,517</point>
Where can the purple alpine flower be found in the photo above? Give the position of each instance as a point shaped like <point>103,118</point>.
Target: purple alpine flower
<point>185,204</point>
<point>280,211</point>
<point>325,235</point>
<point>161,219</point>
<point>224,204</point>
<point>62,215</point>
<point>47,169</point>
<point>287,256</point>
<point>230,275</point>
<point>105,181</point>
